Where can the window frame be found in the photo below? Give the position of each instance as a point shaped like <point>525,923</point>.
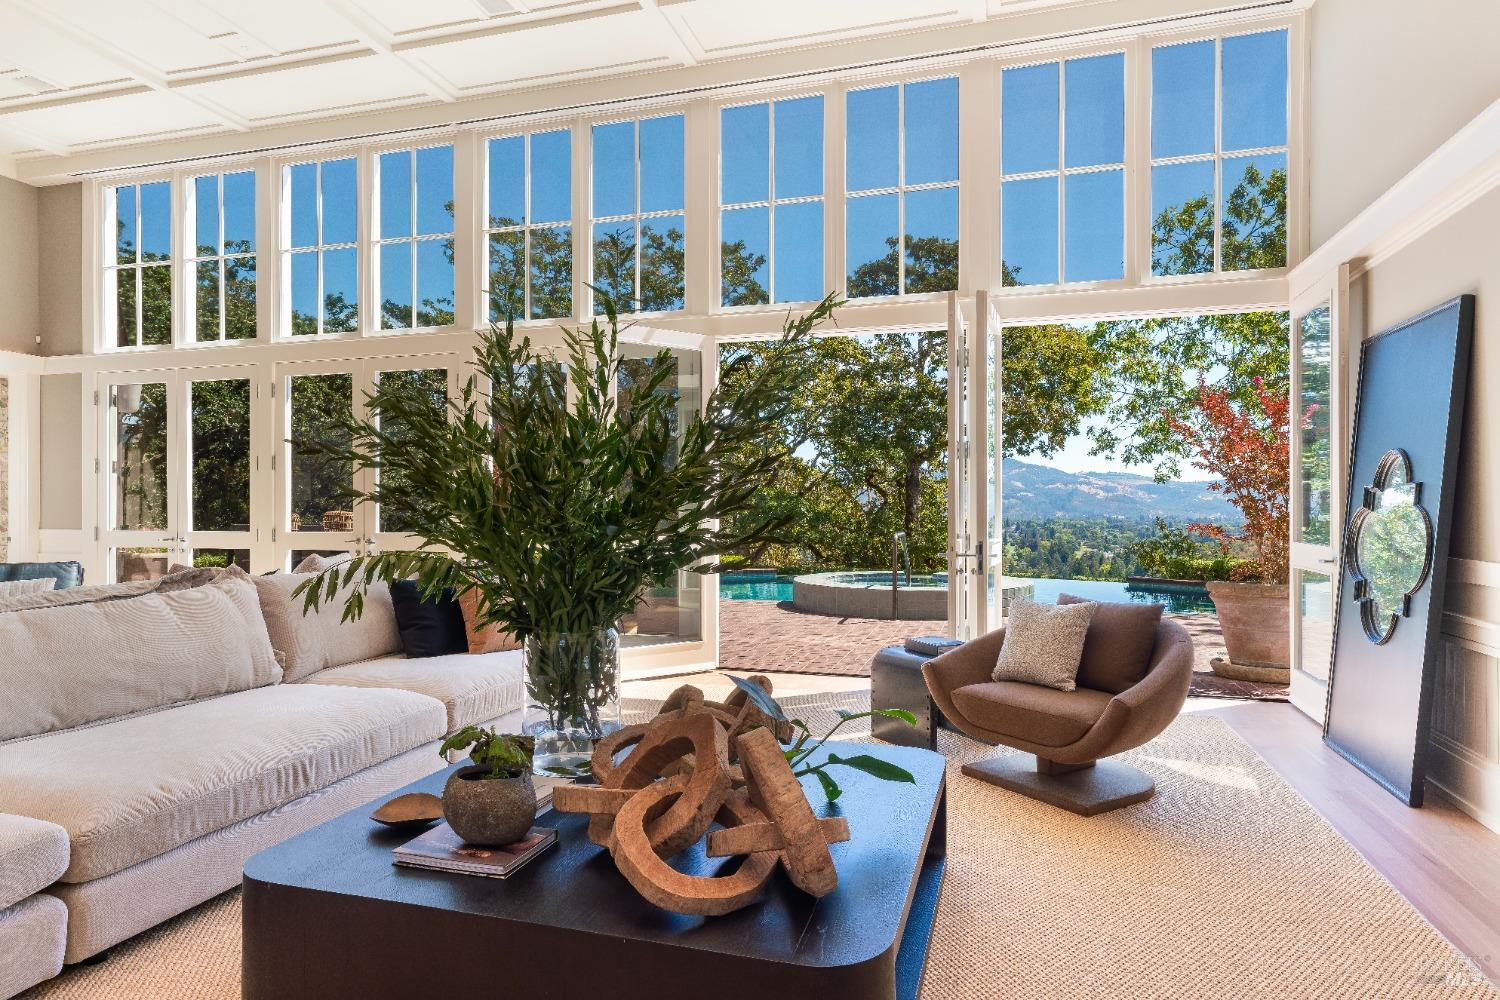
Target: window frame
<point>848,194</point>
<point>637,218</point>
<point>1295,207</point>
<point>286,252</point>
<point>189,195</point>
<point>571,127</point>
<point>1062,172</point>
<point>368,210</point>
<point>107,292</point>
<point>772,202</point>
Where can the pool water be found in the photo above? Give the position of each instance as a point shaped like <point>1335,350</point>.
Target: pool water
<point>764,587</point>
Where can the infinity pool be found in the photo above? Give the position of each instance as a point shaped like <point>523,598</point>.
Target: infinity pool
<point>765,587</point>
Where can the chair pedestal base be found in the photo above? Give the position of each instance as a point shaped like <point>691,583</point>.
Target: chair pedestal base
<point>1087,790</point>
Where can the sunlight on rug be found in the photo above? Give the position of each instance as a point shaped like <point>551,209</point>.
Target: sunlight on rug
<point>1225,884</point>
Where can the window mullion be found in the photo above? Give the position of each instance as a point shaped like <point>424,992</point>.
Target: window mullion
<point>1218,155</point>
<point>1062,182</point>
<point>901,189</point>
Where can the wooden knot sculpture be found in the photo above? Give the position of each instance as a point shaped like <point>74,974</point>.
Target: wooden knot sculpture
<point>696,764</point>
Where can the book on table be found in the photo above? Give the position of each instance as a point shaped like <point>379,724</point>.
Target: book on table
<point>440,849</point>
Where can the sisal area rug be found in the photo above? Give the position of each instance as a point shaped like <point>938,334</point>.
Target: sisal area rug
<point>1225,884</point>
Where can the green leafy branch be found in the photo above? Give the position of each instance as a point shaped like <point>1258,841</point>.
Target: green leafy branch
<point>806,744</point>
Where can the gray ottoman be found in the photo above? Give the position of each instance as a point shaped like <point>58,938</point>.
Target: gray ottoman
<point>896,682</point>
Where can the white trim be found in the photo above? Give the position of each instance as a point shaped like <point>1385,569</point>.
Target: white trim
<point>1455,175</point>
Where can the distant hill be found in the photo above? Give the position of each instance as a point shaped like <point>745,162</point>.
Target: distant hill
<point>1038,492</point>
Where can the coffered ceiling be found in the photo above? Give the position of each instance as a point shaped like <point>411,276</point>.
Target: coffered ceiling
<point>81,76</point>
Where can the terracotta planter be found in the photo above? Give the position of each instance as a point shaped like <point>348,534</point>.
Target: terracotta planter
<point>1256,620</point>
<point>490,812</point>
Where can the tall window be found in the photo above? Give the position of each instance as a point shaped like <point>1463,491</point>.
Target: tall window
<point>1218,154</point>
<point>529,210</point>
<point>138,284</point>
<point>771,202</point>
<point>323,247</point>
<point>638,218</point>
<point>901,166</point>
<point>1062,161</point>
<point>222,217</point>
<point>414,237</point>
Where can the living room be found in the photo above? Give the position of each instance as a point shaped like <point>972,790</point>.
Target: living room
<point>416,502</point>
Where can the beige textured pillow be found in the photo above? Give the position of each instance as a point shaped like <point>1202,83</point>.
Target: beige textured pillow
<point>314,563</point>
<point>72,664</point>
<point>15,588</point>
<point>320,639</point>
<point>483,638</point>
<point>1044,644</point>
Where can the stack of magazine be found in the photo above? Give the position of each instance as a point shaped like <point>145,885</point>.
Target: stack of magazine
<point>440,849</point>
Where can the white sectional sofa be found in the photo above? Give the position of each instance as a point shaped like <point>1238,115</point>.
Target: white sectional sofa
<point>137,776</point>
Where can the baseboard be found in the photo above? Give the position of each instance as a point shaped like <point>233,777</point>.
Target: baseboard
<point>1466,779</point>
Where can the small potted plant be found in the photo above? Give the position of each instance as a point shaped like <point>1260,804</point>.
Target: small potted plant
<point>492,801</point>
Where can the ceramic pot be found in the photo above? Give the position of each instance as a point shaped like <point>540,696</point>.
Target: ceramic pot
<point>489,812</point>
<point>1256,621</point>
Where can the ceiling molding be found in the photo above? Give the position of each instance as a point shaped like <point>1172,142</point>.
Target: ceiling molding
<point>683,65</point>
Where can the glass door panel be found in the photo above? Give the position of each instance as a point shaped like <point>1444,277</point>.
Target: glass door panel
<point>140,515</point>
<point>315,513</point>
<point>219,467</point>
<point>391,531</point>
<point>1318,459</point>
<point>967,516</point>
<point>673,611</point>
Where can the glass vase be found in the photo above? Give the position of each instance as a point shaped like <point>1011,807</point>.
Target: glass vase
<point>572,698</point>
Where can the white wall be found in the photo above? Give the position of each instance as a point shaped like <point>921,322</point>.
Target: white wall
<point>61,448</point>
<point>1389,81</point>
<point>59,256</point>
<point>18,267</point>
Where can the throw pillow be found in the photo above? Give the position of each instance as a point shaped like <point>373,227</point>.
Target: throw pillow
<point>1117,650</point>
<point>1044,644</point>
<point>316,562</point>
<point>428,628</point>
<point>483,638</point>
<point>15,588</point>
<point>321,638</point>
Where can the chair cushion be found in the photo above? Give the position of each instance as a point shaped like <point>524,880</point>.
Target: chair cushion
<point>428,628</point>
<point>33,853</point>
<point>1043,644</point>
<point>71,665</point>
<point>1117,650</point>
<point>473,689</point>
<point>135,788</point>
<point>1041,715</point>
<point>67,574</point>
<point>321,638</point>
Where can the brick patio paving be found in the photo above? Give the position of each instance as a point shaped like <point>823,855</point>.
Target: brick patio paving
<point>772,636</point>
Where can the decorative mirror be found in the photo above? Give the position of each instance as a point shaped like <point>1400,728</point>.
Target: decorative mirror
<point>1389,547</point>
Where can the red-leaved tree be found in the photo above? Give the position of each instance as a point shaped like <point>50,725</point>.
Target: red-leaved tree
<point>1247,448</point>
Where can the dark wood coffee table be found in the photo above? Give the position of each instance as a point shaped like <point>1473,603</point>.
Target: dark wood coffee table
<point>326,914</point>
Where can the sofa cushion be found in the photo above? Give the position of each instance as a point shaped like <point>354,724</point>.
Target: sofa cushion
<point>321,638</point>
<point>33,935</point>
<point>1041,715</point>
<point>1117,650</point>
<point>67,574</point>
<point>66,666</point>
<point>136,788</point>
<point>473,689</point>
<point>33,853</point>
<point>183,579</point>
<point>428,627</point>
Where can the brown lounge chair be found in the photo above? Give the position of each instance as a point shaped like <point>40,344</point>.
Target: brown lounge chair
<point>1070,732</point>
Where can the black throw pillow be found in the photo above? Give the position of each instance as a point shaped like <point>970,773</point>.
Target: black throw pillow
<point>428,628</point>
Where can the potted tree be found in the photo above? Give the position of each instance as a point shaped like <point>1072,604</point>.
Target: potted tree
<point>560,493</point>
<point>1247,448</point>
<point>492,801</point>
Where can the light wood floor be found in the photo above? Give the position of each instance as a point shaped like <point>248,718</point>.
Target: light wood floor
<point>1446,864</point>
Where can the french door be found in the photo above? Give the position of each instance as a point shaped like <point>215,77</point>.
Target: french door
<point>1319,460</point>
<point>676,624</point>
<point>313,514</point>
<point>180,449</point>
<point>975,484</point>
